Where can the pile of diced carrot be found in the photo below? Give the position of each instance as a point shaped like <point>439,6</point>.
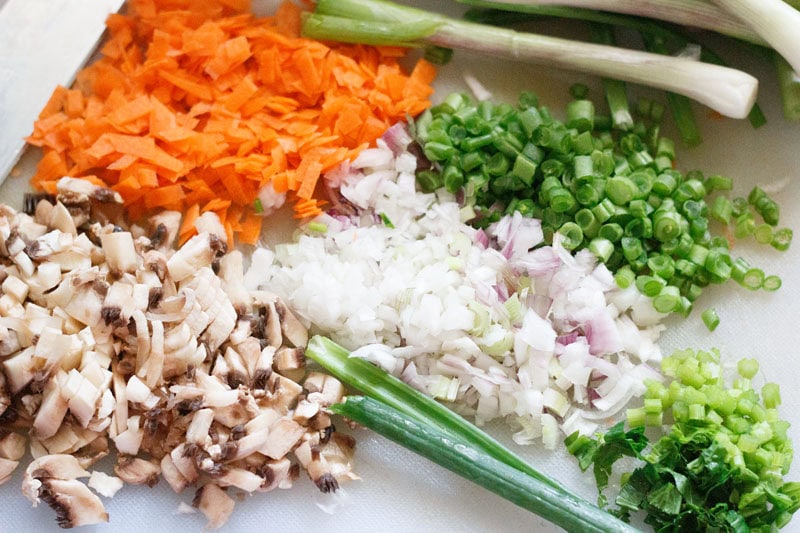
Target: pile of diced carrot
<point>195,105</point>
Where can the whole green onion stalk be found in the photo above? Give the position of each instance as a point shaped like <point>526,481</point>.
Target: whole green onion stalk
<point>459,456</point>
<point>397,411</point>
<point>727,91</point>
<point>695,13</point>
<point>654,30</point>
<point>775,21</point>
<point>789,83</point>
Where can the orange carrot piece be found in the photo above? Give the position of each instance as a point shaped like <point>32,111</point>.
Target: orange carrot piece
<point>51,167</point>
<point>241,94</point>
<point>230,55</point>
<point>217,204</point>
<point>55,103</point>
<point>123,162</point>
<point>192,87</point>
<point>74,102</point>
<point>130,111</point>
<point>251,228</point>
<point>164,196</point>
<point>288,19</point>
<point>307,174</point>
<point>424,72</point>
<point>187,228</point>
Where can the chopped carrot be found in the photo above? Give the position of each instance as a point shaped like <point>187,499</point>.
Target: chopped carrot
<point>139,108</point>
<point>195,105</point>
<point>187,228</point>
<point>55,103</point>
<point>164,196</point>
<point>216,204</point>
<point>307,174</point>
<point>73,106</point>
<point>251,228</point>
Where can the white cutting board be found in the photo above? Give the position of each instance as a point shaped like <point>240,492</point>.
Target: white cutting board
<point>401,492</point>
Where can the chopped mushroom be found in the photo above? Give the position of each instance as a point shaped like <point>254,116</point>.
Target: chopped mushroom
<point>104,484</point>
<point>7,468</point>
<point>108,334</point>
<point>137,471</point>
<point>215,504</point>
<point>54,479</point>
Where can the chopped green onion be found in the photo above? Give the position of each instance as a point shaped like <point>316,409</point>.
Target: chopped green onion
<point>258,207</point>
<point>429,180</point>
<point>668,300</point>
<point>579,90</point>
<point>667,224</point>
<point>650,285</point>
<point>587,221</point>
<point>602,248</point>
<point>753,279</point>
<point>664,184</point>
<point>620,189</point>
<point>386,221</point>
<point>763,233</point>
<point>722,209</point>
<point>745,225</point>
<point>710,318</point>
<point>662,266</point>
<point>596,189</point>
<point>438,55</point>
<point>718,183</point>
<point>624,277</point>
<point>317,227</point>
<point>771,283</point>
<point>740,206</point>
<point>580,115</point>
<point>781,239</point>
<point>572,235</point>
<point>612,231</point>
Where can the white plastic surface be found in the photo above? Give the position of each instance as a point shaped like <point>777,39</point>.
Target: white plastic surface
<point>401,492</point>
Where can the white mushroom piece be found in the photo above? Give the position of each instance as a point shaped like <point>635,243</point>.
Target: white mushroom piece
<point>108,335</point>
<point>54,479</point>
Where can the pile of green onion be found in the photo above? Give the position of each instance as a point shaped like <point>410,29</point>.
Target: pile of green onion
<point>612,191</point>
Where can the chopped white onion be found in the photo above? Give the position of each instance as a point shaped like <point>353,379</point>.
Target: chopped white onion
<point>443,305</point>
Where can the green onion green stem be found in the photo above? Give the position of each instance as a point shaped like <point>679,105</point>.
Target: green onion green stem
<point>376,383</point>
<point>460,456</point>
<point>694,13</point>
<point>774,20</point>
<point>728,91</point>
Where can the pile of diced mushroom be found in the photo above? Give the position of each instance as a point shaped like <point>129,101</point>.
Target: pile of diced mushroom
<point>112,335</point>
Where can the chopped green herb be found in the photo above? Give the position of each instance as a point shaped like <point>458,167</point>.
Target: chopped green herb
<point>721,464</point>
<point>386,221</point>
